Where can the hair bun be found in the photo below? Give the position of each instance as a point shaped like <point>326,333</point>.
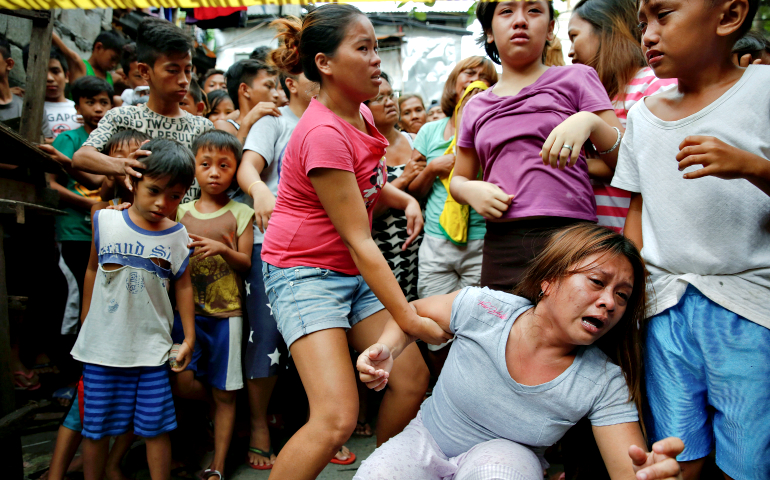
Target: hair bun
<point>286,56</point>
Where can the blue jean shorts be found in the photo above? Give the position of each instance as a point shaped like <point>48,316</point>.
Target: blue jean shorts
<point>708,376</point>
<point>305,300</point>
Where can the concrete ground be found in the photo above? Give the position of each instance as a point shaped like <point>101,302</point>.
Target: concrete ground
<point>38,445</point>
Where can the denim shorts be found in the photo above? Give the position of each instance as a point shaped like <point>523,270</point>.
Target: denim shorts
<point>304,300</point>
<point>708,377</point>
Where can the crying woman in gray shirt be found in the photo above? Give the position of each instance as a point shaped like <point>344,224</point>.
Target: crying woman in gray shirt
<point>525,367</point>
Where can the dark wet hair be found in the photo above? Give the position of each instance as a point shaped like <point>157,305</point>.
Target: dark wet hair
<point>218,140</point>
<point>752,43</point>
<point>244,71</point>
<point>57,55</point>
<point>195,90</point>
<point>320,31</point>
<point>89,87</point>
<point>5,48</point>
<point>122,137</point>
<point>210,73</point>
<point>260,53</point>
<point>128,56</point>
<point>110,40</point>
<point>156,37</point>
<point>215,98</point>
<point>169,158</point>
<point>485,11</point>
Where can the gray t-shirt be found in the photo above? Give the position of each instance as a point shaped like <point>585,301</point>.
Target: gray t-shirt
<point>13,109</point>
<point>268,137</point>
<point>710,233</point>
<point>476,400</point>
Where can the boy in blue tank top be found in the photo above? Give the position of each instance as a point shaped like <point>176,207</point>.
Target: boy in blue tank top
<point>125,339</point>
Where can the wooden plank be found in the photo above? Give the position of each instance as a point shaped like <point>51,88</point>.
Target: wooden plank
<point>28,14</point>
<point>37,72</point>
<point>13,467</point>
<point>13,208</point>
<point>18,191</point>
<point>20,152</point>
<point>14,421</point>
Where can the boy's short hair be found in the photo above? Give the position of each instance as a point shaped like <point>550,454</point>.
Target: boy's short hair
<point>218,140</point>
<point>195,91</point>
<point>57,55</point>
<point>244,71</point>
<point>752,43</point>
<point>110,40</point>
<point>128,56</point>
<point>89,87</point>
<point>260,53</point>
<point>211,72</point>
<point>169,158</point>
<point>5,48</point>
<point>156,37</point>
<point>122,137</point>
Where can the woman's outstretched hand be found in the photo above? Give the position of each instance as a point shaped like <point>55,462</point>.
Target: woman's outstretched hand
<point>374,366</point>
<point>660,464</point>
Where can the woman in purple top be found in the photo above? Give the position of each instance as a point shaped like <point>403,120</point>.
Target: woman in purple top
<point>526,135</point>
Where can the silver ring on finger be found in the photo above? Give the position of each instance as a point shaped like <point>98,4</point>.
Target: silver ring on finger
<point>568,147</point>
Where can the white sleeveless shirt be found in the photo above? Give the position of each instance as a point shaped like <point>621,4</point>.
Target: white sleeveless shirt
<point>130,318</point>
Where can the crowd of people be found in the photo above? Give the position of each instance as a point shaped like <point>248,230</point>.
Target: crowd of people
<point>477,258</point>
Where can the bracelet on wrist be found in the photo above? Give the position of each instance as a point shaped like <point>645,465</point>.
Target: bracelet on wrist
<point>248,190</point>
<point>617,142</point>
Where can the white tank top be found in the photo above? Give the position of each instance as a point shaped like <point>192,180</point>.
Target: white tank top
<point>130,317</point>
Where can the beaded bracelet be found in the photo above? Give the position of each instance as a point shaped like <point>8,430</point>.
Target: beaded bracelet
<point>617,142</point>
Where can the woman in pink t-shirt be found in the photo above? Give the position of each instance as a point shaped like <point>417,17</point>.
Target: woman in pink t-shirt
<point>604,36</point>
<point>319,258</point>
<point>526,135</point>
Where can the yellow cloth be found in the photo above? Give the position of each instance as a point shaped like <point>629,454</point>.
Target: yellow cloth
<point>454,218</point>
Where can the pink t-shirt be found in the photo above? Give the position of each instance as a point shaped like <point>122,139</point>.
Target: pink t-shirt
<point>300,232</point>
<point>508,134</point>
<point>612,203</point>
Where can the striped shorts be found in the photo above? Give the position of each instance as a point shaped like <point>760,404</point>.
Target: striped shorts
<point>116,397</point>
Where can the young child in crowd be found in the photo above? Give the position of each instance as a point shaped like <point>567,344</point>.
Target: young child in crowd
<point>125,339</point>
<point>164,53</point>
<point>525,135</point>
<point>604,36</point>
<point>121,145</point>
<point>194,102</point>
<point>705,234</point>
<point>258,176</point>
<point>69,435</point>
<point>220,105</point>
<point>138,89</point>
<point>79,190</point>
<point>251,86</point>
<point>59,110</point>
<point>105,56</point>
<point>221,230</point>
<point>213,79</point>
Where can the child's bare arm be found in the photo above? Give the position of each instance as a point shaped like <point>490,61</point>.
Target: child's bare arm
<point>239,260</point>
<point>633,227</point>
<point>90,180</point>
<point>93,267</point>
<point>68,197</point>
<point>186,307</point>
<point>723,161</point>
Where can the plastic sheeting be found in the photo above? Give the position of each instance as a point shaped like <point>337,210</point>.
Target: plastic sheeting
<point>427,62</point>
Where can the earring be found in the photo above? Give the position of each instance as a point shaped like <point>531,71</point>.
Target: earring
<point>540,295</point>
